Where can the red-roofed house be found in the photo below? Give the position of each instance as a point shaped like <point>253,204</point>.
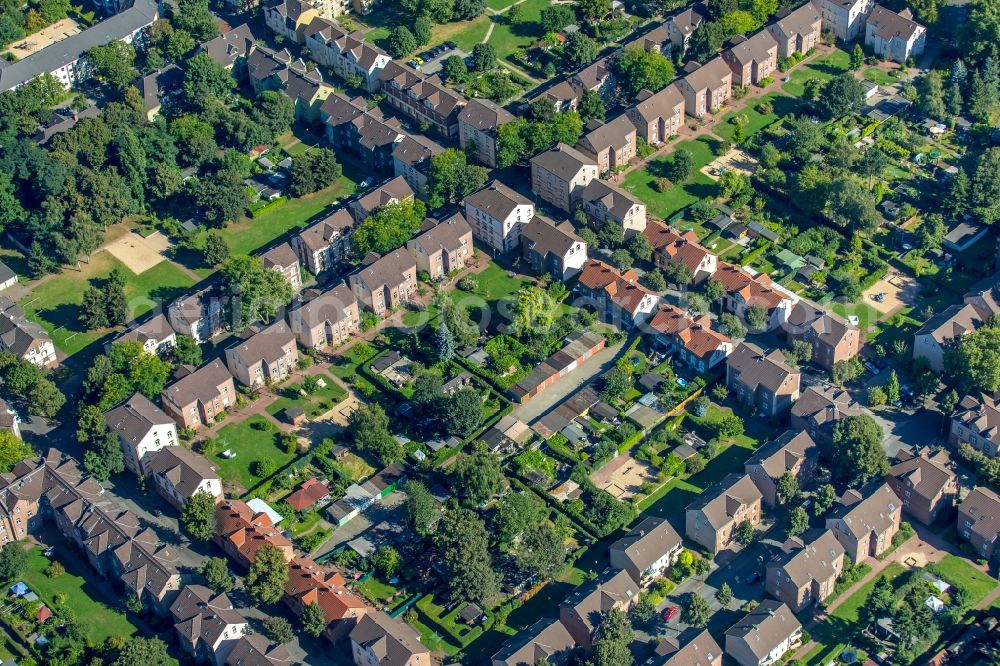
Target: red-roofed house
<point>693,340</point>
<point>618,296</point>
<point>670,247</point>
<point>309,493</point>
<point>309,583</point>
<point>241,532</point>
<point>744,290</point>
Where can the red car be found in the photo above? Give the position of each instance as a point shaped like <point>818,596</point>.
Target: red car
<point>670,613</point>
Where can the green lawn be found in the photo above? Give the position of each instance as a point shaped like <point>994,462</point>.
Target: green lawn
<point>957,571</point>
<point>493,285</point>
<point>499,4</point>
<point>55,302</point>
<point>347,366</point>
<point>823,68</point>
<point>782,105</point>
<point>867,315</point>
<point>314,404</point>
<point>96,619</point>
<point>881,77</point>
<point>250,445</point>
<point>680,195</point>
<point>833,634</point>
<point>464,33</point>
<point>508,38</point>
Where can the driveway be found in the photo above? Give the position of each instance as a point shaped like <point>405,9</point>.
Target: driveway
<point>911,430</point>
<point>597,364</point>
<point>373,516</point>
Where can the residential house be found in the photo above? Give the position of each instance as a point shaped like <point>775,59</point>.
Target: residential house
<point>925,483</point>
<point>347,54</point>
<point>156,335</point>
<point>712,519</point>
<point>744,291</point>
<point>207,626</point>
<point>865,524</point>
<point>948,326</point>
<point>793,452</point>
<point>582,610</point>
<point>379,640</point>
<point>979,522</point>
<point>9,419</point>
<point>229,50</point>
<point>604,202</point>
<point>693,340</point>
<point>264,356</point>
<point>282,258</point>
<point>546,639</point>
<point>764,635</point>
<point>369,135</point>
<point>707,88</point>
<point>831,337</point>
<point>198,315</point>
<point>753,58</point>
<point>327,320</point>
<point>818,410</point>
<point>423,99</point>
<point>497,214</point>
<point>278,71</point>
<point>23,338</point>
<point>671,246</point>
<point>976,422</point>
<point>894,36</point>
<point>797,31</point>
<point>386,283</point>
<point>393,191</point>
<point>309,494</point>
<point>258,650</point>
<point>158,87</point>
<point>21,492</point>
<point>563,95</point>
<point>700,650</point>
<point>560,174</point>
<point>611,144</point>
<point>241,532</point>
<point>656,40</point>
<point>411,159</point>
<point>618,296</point>
<point>180,474</point>
<point>845,18</point>
<point>658,116</point>
<point>647,551</point>
<point>478,124</point>
<point>142,429</point>
<point>325,244</point>
<point>290,18</point>
<point>199,396</point>
<point>804,574</point>
<point>443,246</point>
<point>595,77</point>
<point>682,25</point>
<point>764,381</point>
<point>553,249</point>
<point>308,583</point>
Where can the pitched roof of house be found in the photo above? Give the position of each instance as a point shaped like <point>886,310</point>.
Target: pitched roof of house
<point>484,115</point>
<point>135,417</point>
<point>591,600</point>
<point>201,384</point>
<point>310,492</point>
<point>890,25</point>
<point>952,323</point>
<point>497,200</point>
<point>827,326</point>
<point>595,74</point>
<point>156,329</point>
<point>543,237</point>
<point>982,505</point>
<point>319,236</point>
<point>647,542</point>
<point>330,306</point>
<point>201,614</point>
<point>981,414</point>
<point>389,192</point>
<point>563,161</point>
<point>351,46</point>
<point>416,150</point>
<point>654,39</point>
<point>157,84</point>
<point>710,75</point>
<point>871,512</point>
<point>388,270</point>
<point>765,627</point>
<point>310,583</point>
<point>614,134</point>
<point>623,289</point>
<point>701,650</point>
<point>428,91</point>
<point>756,368</point>
<point>614,199</point>
<point>661,104</point>
<point>545,639</point>
<point>756,48</point>
<point>226,48</point>
<point>247,531</point>
<point>824,405</point>
<point>268,344</point>
<point>185,469</point>
<point>783,453</point>
<point>688,20</point>
<point>799,21</point>
<point>676,246</point>
<point>814,561</point>
<point>392,642</point>
<point>721,502</point>
<point>696,335</point>
<point>17,333</point>
<point>928,476</point>
<point>754,290</point>
<point>445,235</point>
<point>257,650</point>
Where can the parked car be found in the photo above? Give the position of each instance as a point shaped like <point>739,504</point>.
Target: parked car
<point>414,64</point>
<point>670,613</point>
<point>871,367</point>
<point>451,45</point>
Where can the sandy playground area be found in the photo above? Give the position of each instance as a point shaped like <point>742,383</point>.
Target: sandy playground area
<point>623,476</point>
<point>45,37</point>
<point>735,160</point>
<point>898,291</point>
<point>137,253</point>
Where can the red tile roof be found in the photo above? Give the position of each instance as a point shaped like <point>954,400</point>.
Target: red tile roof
<point>621,288</point>
<point>677,247</point>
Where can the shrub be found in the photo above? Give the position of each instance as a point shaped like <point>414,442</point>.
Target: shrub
<point>55,570</point>
<point>264,468</point>
<point>468,283</point>
<point>662,184</point>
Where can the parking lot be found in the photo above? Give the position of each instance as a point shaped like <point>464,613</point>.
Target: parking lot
<point>432,60</point>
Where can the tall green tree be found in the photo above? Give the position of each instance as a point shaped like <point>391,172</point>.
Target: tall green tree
<point>198,516</point>
<point>463,542</point>
<point>857,453</point>
<point>639,69</point>
<point>419,508</point>
<point>450,178</point>
<point>476,477</point>
<point>255,293</point>
<point>268,574</point>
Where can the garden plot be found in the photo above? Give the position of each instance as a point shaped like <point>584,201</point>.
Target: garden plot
<point>735,160</point>
<point>624,476</point>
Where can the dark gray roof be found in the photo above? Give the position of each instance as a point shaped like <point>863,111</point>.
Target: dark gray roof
<point>141,14</point>
<point>135,417</point>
